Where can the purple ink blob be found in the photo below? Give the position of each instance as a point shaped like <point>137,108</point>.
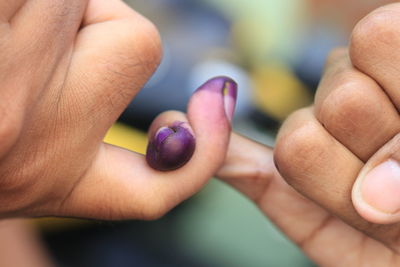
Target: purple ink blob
<point>170,148</point>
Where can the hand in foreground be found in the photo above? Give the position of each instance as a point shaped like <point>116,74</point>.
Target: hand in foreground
<point>347,212</point>
<point>68,69</point>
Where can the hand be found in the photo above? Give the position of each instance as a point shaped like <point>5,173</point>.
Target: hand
<point>344,214</point>
<point>20,237</point>
<point>68,70</point>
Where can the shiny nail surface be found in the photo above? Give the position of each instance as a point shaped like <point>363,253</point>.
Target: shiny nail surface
<point>380,188</point>
<point>171,147</point>
<point>227,88</point>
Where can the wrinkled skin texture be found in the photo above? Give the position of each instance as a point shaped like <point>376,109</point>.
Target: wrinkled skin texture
<point>68,68</point>
<point>55,108</point>
<point>321,150</point>
<point>68,75</point>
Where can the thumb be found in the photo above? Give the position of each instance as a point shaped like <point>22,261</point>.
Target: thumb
<point>121,185</point>
<point>376,192</point>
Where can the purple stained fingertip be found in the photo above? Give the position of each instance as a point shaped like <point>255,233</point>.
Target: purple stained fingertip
<point>170,148</point>
<point>226,87</point>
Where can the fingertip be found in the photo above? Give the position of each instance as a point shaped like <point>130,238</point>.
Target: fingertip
<point>172,142</point>
<point>214,101</point>
<point>171,147</point>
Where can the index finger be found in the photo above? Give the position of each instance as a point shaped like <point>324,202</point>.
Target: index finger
<point>374,49</point>
<point>44,29</point>
<point>353,108</point>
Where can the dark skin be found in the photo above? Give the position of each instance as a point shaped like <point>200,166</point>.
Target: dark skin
<point>324,153</point>
<point>19,237</point>
<point>68,74</point>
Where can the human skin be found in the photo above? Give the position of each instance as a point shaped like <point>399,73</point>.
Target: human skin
<point>173,146</point>
<point>20,245</point>
<point>325,196</point>
<point>68,68</point>
<point>69,73</point>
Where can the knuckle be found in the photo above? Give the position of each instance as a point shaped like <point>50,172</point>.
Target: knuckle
<point>153,40</point>
<point>143,42</point>
<point>135,56</point>
<point>347,104</point>
<point>374,32</point>
<point>352,112</point>
<point>296,153</point>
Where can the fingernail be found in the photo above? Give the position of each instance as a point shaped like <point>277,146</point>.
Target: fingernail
<point>171,147</point>
<point>380,188</point>
<point>227,88</point>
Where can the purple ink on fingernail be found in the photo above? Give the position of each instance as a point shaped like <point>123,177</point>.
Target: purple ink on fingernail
<point>170,148</point>
<point>227,88</point>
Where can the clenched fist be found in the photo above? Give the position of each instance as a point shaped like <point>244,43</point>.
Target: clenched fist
<point>342,156</point>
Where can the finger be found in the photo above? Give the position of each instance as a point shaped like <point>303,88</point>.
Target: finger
<point>315,163</point>
<point>20,237</point>
<point>100,11</point>
<point>41,40</point>
<point>249,168</point>
<point>374,50</point>
<point>376,193</point>
<point>323,170</point>
<point>33,55</point>
<point>116,52</point>
<point>120,184</point>
<point>354,108</point>
<point>53,24</point>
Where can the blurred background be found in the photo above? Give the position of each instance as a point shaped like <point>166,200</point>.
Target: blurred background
<point>275,50</point>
